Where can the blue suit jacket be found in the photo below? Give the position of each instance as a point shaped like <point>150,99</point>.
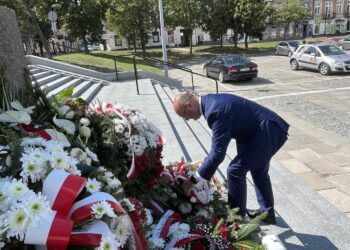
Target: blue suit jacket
<point>232,117</point>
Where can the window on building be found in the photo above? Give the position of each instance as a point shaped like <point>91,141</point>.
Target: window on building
<point>348,8</point>
<point>317,7</point>
<point>328,9</point>
<point>339,6</point>
<point>171,38</point>
<point>155,36</point>
<point>117,40</point>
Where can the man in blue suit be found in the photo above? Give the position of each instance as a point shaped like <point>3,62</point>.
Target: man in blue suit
<point>259,134</point>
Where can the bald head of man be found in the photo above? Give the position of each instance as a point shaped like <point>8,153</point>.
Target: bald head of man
<point>186,105</point>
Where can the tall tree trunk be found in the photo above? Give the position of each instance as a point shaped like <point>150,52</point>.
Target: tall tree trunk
<point>246,41</point>
<point>85,45</point>
<point>235,38</point>
<point>40,33</point>
<point>221,41</point>
<point>190,31</point>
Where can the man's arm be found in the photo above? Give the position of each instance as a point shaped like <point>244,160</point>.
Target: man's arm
<point>220,140</point>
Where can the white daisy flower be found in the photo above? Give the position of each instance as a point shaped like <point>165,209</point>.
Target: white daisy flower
<point>38,209</point>
<point>92,185</point>
<point>78,154</point>
<point>113,183</point>
<point>59,160</point>
<point>109,242</point>
<point>17,222</point>
<point>33,170</point>
<point>17,189</point>
<point>38,141</point>
<point>122,232</point>
<point>101,208</point>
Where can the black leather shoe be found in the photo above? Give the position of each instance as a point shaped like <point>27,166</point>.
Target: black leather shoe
<point>269,219</point>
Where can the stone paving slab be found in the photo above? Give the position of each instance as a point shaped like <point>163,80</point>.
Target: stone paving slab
<point>315,181</point>
<point>337,198</point>
<point>326,167</point>
<point>342,181</point>
<point>305,155</point>
<point>295,166</point>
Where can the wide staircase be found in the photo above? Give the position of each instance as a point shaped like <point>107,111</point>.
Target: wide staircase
<point>305,220</point>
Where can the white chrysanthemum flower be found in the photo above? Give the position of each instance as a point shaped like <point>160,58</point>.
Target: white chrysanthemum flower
<point>193,200</point>
<point>157,242</point>
<point>78,154</point>
<point>126,202</point>
<point>53,146</point>
<point>152,139</point>
<point>60,160</point>
<point>107,175</point>
<point>84,121</point>
<point>33,170</point>
<point>122,232</point>
<point>113,183</point>
<point>109,242</point>
<point>173,228</point>
<point>149,217</point>
<point>92,185</point>
<point>17,222</point>
<point>5,200</point>
<point>38,209</point>
<point>17,190</point>
<point>101,208</point>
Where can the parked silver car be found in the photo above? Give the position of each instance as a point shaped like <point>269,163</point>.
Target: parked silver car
<point>286,48</point>
<point>326,58</point>
<point>344,43</point>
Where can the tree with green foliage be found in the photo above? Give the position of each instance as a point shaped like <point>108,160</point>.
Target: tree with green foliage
<point>252,15</point>
<point>133,19</point>
<point>290,12</point>
<point>184,13</point>
<point>83,19</point>
<point>32,19</point>
<point>214,18</point>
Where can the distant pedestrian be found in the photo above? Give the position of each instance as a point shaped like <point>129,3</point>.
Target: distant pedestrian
<point>259,134</point>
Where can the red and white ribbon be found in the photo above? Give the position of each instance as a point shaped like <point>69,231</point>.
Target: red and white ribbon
<point>162,229</point>
<point>181,240</point>
<point>61,189</point>
<point>132,171</point>
<point>155,207</point>
<point>81,210</point>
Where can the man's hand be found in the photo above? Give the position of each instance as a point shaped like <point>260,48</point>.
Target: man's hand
<point>187,186</point>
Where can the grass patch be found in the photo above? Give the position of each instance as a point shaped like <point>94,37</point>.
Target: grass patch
<point>103,61</point>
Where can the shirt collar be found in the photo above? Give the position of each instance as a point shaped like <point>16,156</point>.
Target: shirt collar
<point>200,105</point>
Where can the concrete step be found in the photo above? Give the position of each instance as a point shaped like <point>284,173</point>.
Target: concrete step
<point>83,86</point>
<point>56,83</point>
<point>49,78</point>
<point>42,74</point>
<point>71,83</point>
<point>34,70</point>
<point>89,94</point>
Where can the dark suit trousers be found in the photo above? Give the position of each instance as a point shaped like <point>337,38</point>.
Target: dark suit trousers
<point>254,155</point>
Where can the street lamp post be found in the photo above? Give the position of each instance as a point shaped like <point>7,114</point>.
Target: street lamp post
<point>163,37</point>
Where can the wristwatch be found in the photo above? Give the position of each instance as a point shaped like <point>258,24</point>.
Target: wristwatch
<point>193,179</point>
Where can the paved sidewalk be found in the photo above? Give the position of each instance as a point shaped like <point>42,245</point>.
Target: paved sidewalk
<point>319,158</point>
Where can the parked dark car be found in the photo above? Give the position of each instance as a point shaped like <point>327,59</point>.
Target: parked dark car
<point>344,43</point>
<point>231,67</point>
<point>286,48</point>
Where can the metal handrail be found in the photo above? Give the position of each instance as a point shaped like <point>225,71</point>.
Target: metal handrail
<point>176,66</point>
